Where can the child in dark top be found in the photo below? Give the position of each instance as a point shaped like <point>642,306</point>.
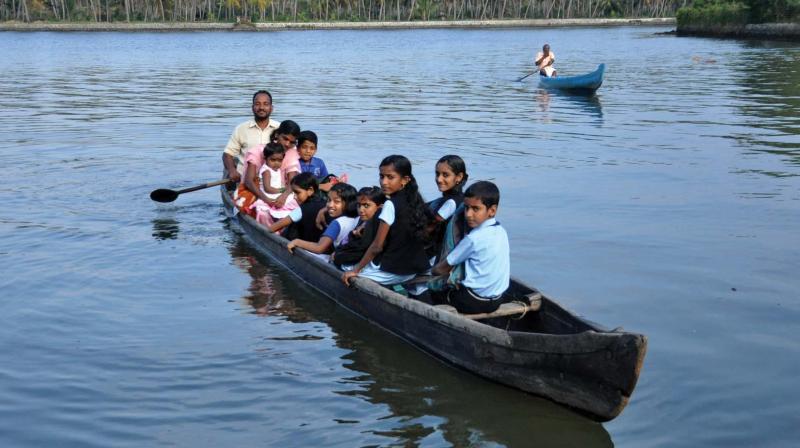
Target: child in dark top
<point>451,175</point>
<point>397,253</point>
<point>301,221</point>
<point>484,252</point>
<point>343,209</point>
<point>370,200</point>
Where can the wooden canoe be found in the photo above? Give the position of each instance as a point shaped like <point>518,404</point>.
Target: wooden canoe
<point>586,83</point>
<point>551,352</point>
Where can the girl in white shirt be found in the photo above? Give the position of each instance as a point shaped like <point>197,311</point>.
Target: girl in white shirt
<point>342,206</point>
<point>451,175</point>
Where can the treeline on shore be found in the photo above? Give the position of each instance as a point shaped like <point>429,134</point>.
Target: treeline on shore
<point>327,10</point>
<point>725,13</point>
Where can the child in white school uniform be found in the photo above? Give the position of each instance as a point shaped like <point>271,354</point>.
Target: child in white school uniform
<point>342,207</point>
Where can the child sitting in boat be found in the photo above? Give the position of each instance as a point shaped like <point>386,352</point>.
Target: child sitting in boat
<point>397,253</point>
<point>249,190</point>
<point>451,175</point>
<point>484,251</point>
<point>307,145</point>
<point>287,135</point>
<point>273,187</point>
<point>301,221</point>
<point>343,209</point>
<point>370,200</point>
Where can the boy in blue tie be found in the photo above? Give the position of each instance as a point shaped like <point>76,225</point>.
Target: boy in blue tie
<point>484,252</point>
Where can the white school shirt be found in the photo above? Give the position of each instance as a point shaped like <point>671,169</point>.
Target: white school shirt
<point>447,209</point>
<point>339,229</point>
<point>486,257</point>
<point>387,212</point>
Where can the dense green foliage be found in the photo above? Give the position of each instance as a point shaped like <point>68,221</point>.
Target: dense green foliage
<point>738,12</point>
<point>714,12</point>
<point>327,10</point>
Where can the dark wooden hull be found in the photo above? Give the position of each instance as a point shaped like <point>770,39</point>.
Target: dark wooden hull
<point>551,353</point>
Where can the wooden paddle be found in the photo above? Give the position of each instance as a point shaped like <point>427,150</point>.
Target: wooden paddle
<point>529,74</point>
<point>167,195</point>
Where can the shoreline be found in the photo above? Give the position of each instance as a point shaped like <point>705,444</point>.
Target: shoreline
<point>286,26</point>
<point>772,31</point>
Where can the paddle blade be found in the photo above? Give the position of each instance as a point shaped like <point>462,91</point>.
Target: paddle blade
<point>163,195</point>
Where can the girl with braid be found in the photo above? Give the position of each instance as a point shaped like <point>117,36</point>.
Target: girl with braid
<point>397,252</point>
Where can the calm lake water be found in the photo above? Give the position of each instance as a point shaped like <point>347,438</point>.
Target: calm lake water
<point>668,204</point>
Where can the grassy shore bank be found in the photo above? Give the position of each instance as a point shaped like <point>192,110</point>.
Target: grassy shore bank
<point>779,31</point>
<point>279,26</point>
<point>762,19</point>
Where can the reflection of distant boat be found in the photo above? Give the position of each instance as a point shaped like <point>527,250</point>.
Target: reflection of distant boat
<point>550,351</point>
<point>585,84</point>
<point>560,101</point>
<point>590,104</point>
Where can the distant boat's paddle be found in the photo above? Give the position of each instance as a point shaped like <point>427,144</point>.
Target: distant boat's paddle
<point>529,74</point>
<point>167,195</point>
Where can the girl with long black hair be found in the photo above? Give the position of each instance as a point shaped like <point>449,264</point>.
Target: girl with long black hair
<point>397,253</point>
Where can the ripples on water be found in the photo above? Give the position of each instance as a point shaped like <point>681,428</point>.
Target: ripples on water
<point>668,204</point>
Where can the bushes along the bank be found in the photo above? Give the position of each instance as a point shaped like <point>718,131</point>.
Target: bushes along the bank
<point>722,13</point>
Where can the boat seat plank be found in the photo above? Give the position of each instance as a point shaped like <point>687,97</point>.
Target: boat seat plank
<point>448,308</point>
<point>507,309</point>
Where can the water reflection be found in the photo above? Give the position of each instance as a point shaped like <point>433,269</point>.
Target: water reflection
<point>770,91</point>
<point>424,396</point>
<point>588,104</point>
<point>165,229</point>
<point>566,103</point>
<point>266,293</point>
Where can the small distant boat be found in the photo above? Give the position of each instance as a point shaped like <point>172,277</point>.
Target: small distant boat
<point>586,84</point>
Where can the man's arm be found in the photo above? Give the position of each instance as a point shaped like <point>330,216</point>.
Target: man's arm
<point>229,154</point>
<point>230,167</point>
<point>539,57</point>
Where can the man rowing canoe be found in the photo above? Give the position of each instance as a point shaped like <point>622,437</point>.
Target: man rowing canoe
<point>544,61</point>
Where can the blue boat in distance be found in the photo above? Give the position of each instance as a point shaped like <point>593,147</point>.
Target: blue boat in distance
<point>585,84</point>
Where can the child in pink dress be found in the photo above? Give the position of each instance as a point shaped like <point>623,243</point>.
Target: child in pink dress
<point>275,201</point>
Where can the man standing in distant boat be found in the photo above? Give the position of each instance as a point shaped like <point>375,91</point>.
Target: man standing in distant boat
<point>248,134</point>
<point>544,60</point>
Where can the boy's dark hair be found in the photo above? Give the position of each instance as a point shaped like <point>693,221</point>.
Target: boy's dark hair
<point>305,181</point>
<point>287,127</point>
<point>374,194</point>
<point>348,194</point>
<point>260,92</point>
<point>273,148</point>
<point>487,192</point>
<point>306,136</point>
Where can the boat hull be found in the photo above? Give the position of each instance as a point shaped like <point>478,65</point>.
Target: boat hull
<point>586,84</point>
<point>568,360</point>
